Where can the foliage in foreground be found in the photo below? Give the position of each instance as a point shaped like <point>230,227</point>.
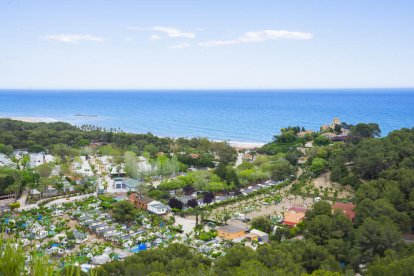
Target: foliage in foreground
<point>15,260</point>
<point>286,258</point>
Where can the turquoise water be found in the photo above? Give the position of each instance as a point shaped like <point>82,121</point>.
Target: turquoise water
<point>252,116</point>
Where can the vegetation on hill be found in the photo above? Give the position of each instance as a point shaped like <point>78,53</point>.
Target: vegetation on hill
<point>66,142</point>
<point>379,170</point>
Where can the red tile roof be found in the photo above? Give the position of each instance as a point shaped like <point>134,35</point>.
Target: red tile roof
<point>289,223</point>
<point>297,209</point>
<point>294,215</point>
<point>347,208</point>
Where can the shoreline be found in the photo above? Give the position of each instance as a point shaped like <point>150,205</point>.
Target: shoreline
<point>237,144</point>
<point>31,119</point>
<point>245,145</point>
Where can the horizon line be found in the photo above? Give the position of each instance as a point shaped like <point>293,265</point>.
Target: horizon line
<point>202,89</point>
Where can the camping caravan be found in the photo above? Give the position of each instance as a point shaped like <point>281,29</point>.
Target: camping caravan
<point>57,213</point>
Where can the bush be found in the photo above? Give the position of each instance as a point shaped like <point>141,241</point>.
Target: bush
<point>15,205</point>
<point>175,203</point>
<point>262,223</point>
<point>207,236</point>
<point>321,140</point>
<point>318,165</point>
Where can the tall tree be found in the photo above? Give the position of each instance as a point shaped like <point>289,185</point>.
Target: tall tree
<point>124,211</point>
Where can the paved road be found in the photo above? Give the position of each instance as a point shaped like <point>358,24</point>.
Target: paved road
<point>239,159</point>
<point>23,198</point>
<point>57,201</point>
<point>70,199</point>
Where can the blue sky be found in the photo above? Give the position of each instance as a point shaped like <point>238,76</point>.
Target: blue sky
<point>206,44</point>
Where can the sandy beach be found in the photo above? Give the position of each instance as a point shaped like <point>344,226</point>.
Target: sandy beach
<point>31,119</point>
<point>245,145</point>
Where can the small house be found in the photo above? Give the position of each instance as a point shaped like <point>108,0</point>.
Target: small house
<point>294,215</point>
<point>128,184</point>
<point>230,232</point>
<point>84,218</point>
<point>140,201</point>
<point>39,158</point>
<point>146,203</point>
<point>55,249</point>
<point>101,259</point>
<point>346,208</point>
<point>80,237</point>
<point>118,171</point>
<point>35,193</point>
<point>57,213</point>
<point>5,161</point>
<point>50,191</point>
<point>158,208</point>
<point>67,187</point>
<point>259,235</point>
<point>101,190</point>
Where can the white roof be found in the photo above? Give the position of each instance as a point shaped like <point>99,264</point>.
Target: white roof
<point>101,259</point>
<point>157,204</point>
<point>4,160</point>
<point>258,232</point>
<point>34,192</point>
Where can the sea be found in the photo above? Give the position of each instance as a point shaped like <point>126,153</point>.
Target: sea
<point>232,115</point>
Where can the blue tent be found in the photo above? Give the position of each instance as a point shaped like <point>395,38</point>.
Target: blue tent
<point>142,246</point>
<point>134,250</point>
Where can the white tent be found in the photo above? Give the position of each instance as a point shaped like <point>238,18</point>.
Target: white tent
<point>101,259</point>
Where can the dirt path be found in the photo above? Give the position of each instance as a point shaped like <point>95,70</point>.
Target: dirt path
<point>324,182</point>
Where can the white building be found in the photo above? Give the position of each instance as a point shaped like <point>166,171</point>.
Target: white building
<point>18,154</point>
<point>39,158</point>
<point>101,259</point>
<point>144,165</point>
<point>39,232</point>
<point>82,167</point>
<point>157,207</point>
<point>57,213</point>
<point>127,184</point>
<point>5,161</point>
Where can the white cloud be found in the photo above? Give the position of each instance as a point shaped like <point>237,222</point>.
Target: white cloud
<point>74,38</point>
<point>180,46</point>
<point>259,36</point>
<point>154,37</point>
<point>168,31</point>
<point>172,32</point>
